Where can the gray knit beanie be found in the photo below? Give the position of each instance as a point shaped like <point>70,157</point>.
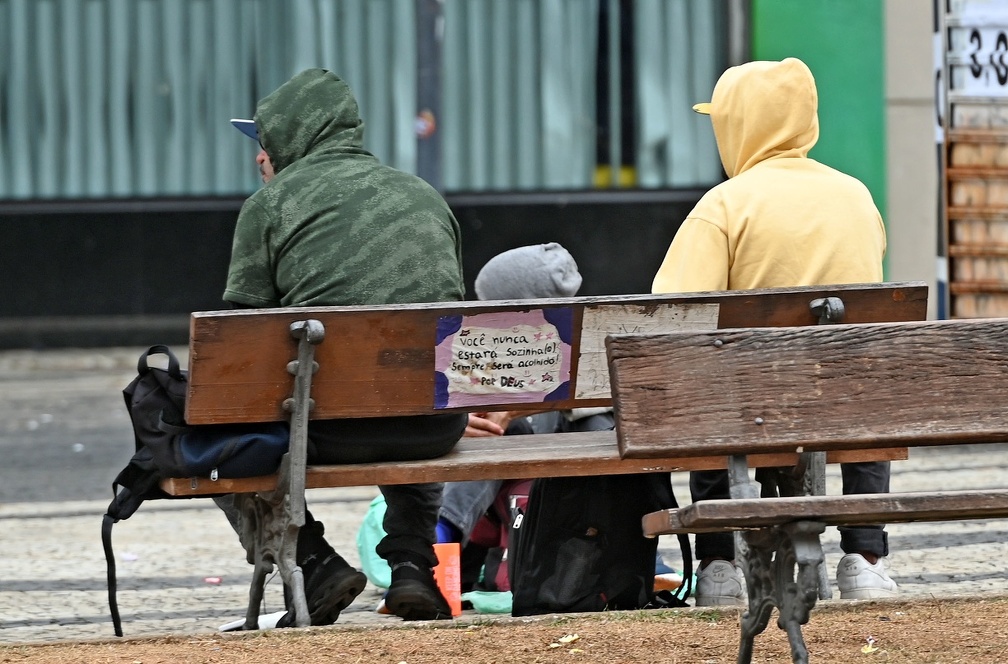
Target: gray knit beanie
<point>539,270</point>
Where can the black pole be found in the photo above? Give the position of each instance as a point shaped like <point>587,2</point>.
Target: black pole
<point>430,33</point>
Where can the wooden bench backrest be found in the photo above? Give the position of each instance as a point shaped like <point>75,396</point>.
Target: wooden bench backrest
<point>813,388</point>
<point>384,360</point>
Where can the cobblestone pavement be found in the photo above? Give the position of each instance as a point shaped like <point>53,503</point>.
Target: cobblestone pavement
<point>64,434</point>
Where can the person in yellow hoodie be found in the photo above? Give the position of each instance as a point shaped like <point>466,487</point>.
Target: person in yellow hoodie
<point>781,219</point>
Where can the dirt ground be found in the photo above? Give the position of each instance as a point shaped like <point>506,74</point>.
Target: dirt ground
<point>947,630</point>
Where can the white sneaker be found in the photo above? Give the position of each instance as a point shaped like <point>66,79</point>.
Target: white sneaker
<point>720,584</point>
<point>859,580</point>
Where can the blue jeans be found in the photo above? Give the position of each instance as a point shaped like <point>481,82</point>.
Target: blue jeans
<point>465,503</point>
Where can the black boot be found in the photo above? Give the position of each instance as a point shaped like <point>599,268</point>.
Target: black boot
<point>331,584</point>
<point>413,594</point>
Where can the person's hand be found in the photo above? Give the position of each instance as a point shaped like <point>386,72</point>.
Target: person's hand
<point>488,424</point>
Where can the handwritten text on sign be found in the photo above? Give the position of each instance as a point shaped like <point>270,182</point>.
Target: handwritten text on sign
<point>500,358</point>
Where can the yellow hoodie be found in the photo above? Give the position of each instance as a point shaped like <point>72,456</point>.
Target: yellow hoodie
<point>781,219</point>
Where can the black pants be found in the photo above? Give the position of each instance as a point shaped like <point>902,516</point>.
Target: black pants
<point>412,509</point>
<point>865,477</point>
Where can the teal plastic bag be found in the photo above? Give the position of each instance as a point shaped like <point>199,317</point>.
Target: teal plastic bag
<point>489,602</point>
<point>379,573</point>
<point>370,533</point>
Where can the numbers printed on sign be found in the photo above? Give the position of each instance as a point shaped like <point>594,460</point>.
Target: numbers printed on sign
<point>988,55</point>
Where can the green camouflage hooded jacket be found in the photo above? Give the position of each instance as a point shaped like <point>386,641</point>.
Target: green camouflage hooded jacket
<point>335,226</point>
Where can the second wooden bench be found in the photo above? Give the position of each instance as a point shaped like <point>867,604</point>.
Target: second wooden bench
<point>827,389</point>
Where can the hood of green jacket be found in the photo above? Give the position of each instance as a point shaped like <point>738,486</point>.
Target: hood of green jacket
<point>315,110</point>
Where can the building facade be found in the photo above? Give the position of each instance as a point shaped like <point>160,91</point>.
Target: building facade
<point>540,120</point>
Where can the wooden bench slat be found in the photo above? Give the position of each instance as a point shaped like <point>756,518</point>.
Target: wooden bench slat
<point>813,388</point>
<point>541,455</point>
<point>862,509</point>
<point>379,361</point>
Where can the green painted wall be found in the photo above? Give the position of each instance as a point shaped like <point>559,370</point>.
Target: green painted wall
<point>842,43</point>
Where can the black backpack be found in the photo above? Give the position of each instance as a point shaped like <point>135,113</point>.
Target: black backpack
<point>579,546</point>
<point>167,447</point>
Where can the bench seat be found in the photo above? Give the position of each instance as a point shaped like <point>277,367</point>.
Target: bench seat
<point>712,516</point>
<point>526,456</point>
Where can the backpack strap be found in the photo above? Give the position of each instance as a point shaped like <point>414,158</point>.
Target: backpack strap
<point>174,370</point>
<point>110,566</point>
<point>687,560</point>
<point>128,490</point>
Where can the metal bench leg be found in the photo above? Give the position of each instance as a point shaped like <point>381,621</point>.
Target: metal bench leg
<point>271,520</point>
<point>781,569</point>
<point>756,563</point>
<point>248,535</point>
<point>260,549</point>
<point>283,534</point>
<point>270,538</point>
<point>291,483</point>
<point>783,565</point>
<point>798,561</point>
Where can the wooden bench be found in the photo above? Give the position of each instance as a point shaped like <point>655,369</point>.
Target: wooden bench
<point>342,362</point>
<point>774,391</point>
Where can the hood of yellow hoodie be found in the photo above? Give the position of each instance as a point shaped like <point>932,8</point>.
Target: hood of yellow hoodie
<point>761,110</point>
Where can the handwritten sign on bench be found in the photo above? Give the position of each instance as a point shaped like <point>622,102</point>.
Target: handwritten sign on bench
<point>525,356</point>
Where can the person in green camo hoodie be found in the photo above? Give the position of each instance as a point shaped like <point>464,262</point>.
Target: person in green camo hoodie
<point>334,226</point>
